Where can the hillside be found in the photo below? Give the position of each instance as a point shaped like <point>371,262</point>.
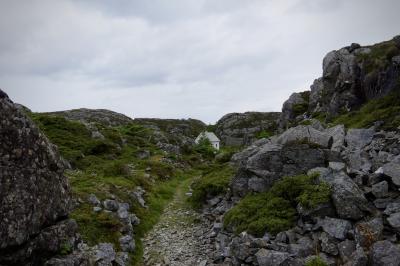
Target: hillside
<point>317,184</point>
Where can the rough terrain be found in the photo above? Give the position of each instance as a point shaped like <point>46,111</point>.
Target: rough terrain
<point>181,238</point>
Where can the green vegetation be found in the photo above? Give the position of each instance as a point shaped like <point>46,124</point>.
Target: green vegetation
<point>317,261</point>
<point>205,148</point>
<point>66,248</point>
<point>380,56</point>
<point>301,108</point>
<point>386,109</point>
<point>275,210</point>
<point>264,134</point>
<point>214,180</point>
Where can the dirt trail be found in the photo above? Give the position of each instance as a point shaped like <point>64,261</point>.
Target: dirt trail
<point>181,238</point>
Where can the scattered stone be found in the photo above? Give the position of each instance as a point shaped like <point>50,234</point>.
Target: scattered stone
<point>380,190</point>
<point>271,257</point>
<point>111,205</point>
<point>385,253</point>
<point>337,228</point>
<point>393,171</point>
<point>94,200</point>
<point>394,220</point>
<point>127,243</point>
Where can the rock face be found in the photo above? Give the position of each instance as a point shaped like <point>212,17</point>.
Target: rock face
<point>241,129</point>
<point>101,116</point>
<point>351,76</point>
<point>34,193</point>
<point>293,152</point>
<point>294,108</point>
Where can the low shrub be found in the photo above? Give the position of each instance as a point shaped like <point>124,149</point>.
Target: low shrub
<point>214,181</point>
<point>275,210</point>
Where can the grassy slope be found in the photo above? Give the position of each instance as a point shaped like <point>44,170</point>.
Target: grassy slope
<point>111,167</point>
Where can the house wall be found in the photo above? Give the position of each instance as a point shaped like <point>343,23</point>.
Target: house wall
<point>215,144</point>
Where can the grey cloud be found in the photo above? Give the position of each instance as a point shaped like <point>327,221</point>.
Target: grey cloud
<point>177,58</point>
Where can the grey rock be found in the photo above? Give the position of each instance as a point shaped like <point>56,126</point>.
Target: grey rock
<point>34,193</point>
<point>359,138</point>
<point>242,129</point>
<point>337,228</point>
<point>127,243</point>
<point>111,205</point>
<point>97,209</point>
<point>366,233</point>
<point>101,116</point>
<point>94,200</point>
<point>301,133</point>
<point>392,207</point>
<point>337,166</point>
<point>102,254</point>
<point>393,171</point>
<point>380,189</point>
<point>122,259</point>
<point>385,253</point>
<point>358,258</point>
<point>303,248</point>
<point>394,220</point>
<point>348,198</point>
<point>346,249</point>
<point>338,134</point>
<point>271,258</point>
<point>328,244</point>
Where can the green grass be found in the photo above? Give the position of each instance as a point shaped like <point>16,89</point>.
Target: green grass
<point>97,227</point>
<point>386,109</point>
<point>212,182</point>
<point>275,210</point>
<point>317,261</point>
<point>379,57</point>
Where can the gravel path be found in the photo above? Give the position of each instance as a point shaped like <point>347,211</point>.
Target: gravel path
<point>181,238</point>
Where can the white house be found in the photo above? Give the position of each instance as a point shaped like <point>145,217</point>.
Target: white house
<point>210,136</point>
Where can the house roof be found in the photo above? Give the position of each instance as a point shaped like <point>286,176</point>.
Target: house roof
<point>209,135</point>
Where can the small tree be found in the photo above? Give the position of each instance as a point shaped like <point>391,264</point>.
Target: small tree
<point>205,148</point>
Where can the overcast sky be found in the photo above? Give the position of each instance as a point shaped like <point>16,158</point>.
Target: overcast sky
<point>177,58</point>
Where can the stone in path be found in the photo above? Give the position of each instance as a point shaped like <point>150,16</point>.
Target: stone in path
<point>181,238</point>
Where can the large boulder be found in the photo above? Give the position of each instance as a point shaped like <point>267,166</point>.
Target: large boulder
<point>347,197</point>
<point>241,129</point>
<point>272,162</point>
<point>34,193</point>
<point>295,106</point>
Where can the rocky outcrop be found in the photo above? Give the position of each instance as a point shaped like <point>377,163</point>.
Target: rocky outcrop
<point>293,152</point>
<point>360,224</point>
<point>294,108</point>
<point>241,129</point>
<point>101,116</point>
<point>34,193</point>
<point>351,76</point>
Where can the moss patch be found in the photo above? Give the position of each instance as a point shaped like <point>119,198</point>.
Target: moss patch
<point>275,210</point>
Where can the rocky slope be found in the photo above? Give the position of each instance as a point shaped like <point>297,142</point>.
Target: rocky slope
<point>241,129</point>
<point>101,116</point>
<point>358,225</point>
<point>351,77</point>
